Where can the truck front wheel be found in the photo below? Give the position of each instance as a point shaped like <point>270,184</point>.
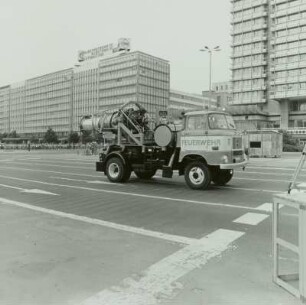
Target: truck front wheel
<point>116,170</point>
<point>222,176</point>
<point>197,175</point>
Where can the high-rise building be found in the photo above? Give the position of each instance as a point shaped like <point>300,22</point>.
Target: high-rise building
<point>105,77</point>
<point>269,63</point>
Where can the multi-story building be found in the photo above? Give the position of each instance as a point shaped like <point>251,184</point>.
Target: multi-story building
<point>183,101</point>
<point>104,78</point>
<point>269,62</point>
<point>221,92</point>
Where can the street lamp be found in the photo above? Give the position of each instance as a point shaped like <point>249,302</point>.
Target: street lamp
<point>210,51</point>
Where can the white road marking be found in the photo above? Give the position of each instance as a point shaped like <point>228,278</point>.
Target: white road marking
<point>32,191</point>
<point>267,207</point>
<point>223,205</point>
<point>252,219</point>
<point>48,171</point>
<point>55,165</point>
<point>272,168</point>
<point>79,180</point>
<point>249,189</point>
<point>139,231</point>
<point>158,282</point>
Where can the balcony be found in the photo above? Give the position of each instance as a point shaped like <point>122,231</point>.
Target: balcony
<point>249,64</point>
<point>248,52</point>
<point>249,40</point>
<point>248,17</point>
<point>247,29</point>
<point>249,89</point>
<point>288,94</point>
<point>248,5</point>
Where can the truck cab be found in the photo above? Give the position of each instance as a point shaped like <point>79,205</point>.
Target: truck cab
<point>210,141</point>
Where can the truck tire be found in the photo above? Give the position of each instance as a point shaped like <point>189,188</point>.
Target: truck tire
<point>222,176</point>
<point>197,175</point>
<point>116,170</point>
<point>145,174</point>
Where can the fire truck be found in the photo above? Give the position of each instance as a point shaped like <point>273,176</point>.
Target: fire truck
<point>204,146</point>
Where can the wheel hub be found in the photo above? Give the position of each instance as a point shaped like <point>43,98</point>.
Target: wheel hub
<point>113,170</point>
<point>196,175</point>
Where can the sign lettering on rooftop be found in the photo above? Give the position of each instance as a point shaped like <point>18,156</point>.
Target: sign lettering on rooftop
<point>123,44</point>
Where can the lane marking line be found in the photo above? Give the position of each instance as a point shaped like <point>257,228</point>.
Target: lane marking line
<point>249,189</point>
<point>135,194</point>
<point>273,168</point>
<point>32,191</point>
<point>53,165</point>
<point>168,237</point>
<point>80,180</point>
<point>158,282</point>
<point>252,219</point>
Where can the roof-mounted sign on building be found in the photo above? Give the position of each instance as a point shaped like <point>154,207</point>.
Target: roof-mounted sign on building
<point>123,44</point>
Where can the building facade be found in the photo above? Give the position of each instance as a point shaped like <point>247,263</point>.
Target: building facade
<point>182,101</point>
<point>269,63</point>
<point>59,100</point>
<point>221,92</point>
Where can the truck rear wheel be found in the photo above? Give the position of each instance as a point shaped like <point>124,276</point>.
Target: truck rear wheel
<point>197,175</point>
<point>116,170</point>
<point>222,176</point>
<point>145,174</point>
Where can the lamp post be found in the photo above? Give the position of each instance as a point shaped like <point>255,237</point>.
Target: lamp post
<point>210,51</point>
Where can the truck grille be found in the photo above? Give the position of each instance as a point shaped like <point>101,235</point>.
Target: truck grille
<point>237,143</point>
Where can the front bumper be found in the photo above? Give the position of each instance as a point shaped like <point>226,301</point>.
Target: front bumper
<point>235,165</point>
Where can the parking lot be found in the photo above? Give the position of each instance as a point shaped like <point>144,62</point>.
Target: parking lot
<point>69,236</point>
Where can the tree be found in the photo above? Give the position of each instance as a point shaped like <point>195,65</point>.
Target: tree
<point>73,137</point>
<point>50,136</point>
<point>13,134</point>
<point>290,143</point>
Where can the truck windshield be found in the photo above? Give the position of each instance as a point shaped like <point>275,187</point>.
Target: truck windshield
<point>221,121</point>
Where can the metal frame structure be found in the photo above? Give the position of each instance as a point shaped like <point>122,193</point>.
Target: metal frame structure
<point>298,201</point>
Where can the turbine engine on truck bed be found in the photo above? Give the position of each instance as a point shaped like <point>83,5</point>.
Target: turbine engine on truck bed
<point>129,124</point>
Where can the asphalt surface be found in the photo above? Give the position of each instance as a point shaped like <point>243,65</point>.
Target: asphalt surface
<point>69,236</point>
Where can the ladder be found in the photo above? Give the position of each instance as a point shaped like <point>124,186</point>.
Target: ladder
<point>297,170</point>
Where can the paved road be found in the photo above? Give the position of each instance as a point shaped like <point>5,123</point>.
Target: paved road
<point>68,236</point>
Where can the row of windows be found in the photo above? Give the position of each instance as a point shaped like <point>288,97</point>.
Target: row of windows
<point>290,59</point>
<point>46,90</point>
<point>251,58</point>
<point>254,95</point>
<point>43,82</point>
<point>288,32</point>
<point>291,17</point>
<point>249,23</point>
<point>248,83</point>
<point>290,73</point>
<point>289,45</point>
<point>249,35</point>
<point>249,71</point>
<point>247,47</point>
<point>253,10</point>
<point>119,66</point>
<point>286,87</point>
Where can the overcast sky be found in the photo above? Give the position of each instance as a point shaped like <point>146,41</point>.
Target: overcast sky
<point>43,36</point>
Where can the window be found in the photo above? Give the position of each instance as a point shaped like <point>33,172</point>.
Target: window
<point>254,144</point>
<point>196,123</point>
<point>221,121</point>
